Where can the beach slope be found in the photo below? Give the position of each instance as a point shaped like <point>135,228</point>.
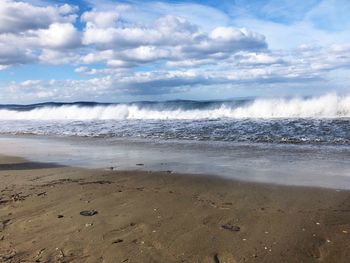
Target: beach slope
<point>52,213</point>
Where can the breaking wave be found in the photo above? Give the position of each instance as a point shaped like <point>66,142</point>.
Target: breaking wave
<point>327,106</point>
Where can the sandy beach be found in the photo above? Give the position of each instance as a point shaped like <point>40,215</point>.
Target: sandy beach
<point>174,131</point>
<point>52,213</point>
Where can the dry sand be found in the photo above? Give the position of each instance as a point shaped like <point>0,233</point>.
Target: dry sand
<point>163,217</point>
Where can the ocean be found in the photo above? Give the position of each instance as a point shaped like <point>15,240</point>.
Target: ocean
<point>292,141</point>
<point>321,120</point>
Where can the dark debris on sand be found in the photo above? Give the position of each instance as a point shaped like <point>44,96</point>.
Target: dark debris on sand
<point>230,227</point>
<point>88,213</point>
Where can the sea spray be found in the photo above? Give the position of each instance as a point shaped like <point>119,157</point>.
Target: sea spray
<point>327,106</point>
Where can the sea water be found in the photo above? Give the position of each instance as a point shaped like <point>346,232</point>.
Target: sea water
<point>322,120</point>
<point>297,141</point>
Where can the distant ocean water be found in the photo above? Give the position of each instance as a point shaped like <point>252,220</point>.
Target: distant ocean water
<point>315,120</point>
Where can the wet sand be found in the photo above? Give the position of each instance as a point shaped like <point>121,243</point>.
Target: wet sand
<point>164,217</point>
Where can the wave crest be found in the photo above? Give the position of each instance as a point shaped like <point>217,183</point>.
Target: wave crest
<point>327,106</point>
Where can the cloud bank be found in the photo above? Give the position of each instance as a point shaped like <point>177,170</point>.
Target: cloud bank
<point>160,48</point>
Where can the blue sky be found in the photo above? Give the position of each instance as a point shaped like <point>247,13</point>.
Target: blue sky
<point>159,50</point>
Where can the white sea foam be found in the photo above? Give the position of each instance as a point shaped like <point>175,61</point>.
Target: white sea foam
<point>327,106</point>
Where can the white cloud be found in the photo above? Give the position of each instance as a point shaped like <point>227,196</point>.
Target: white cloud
<point>31,33</point>
<point>118,44</point>
<point>117,63</point>
<point>169,38</point>
<point>97,56</point>
<point>59,35</point>
<point>58,57</point>
<point>228,40</point>
<point>175,26</point>
<point>119,38</point>
<point>171,31</point>
<point>20,16</point>
<point>259,58</point>
<point>11,55</point>
<point>29,83</point>
<point>145,54</point>
<point>160,48</point>
<point>67,9</point>
<point>100,19</point>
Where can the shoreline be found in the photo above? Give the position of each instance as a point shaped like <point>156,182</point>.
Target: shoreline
<point>162,217</point>
<point>327,167</point>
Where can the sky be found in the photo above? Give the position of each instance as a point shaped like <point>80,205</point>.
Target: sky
<point>118,51</point>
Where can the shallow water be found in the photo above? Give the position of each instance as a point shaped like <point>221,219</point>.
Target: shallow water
<point>306,165</point>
